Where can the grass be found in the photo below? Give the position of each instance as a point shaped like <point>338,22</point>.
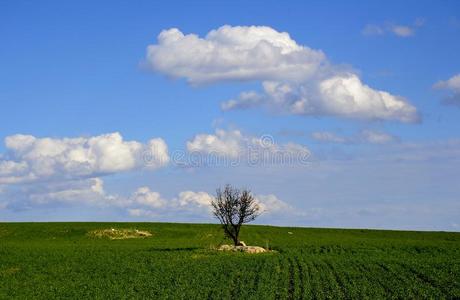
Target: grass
<point>64,260</point>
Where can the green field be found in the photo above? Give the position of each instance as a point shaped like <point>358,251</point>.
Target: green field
<point>60,260</point>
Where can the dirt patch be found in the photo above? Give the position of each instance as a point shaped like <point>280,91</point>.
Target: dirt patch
<point>10,271</point>
<point>120,234</point>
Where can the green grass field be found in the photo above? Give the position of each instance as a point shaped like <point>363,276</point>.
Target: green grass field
<point>60,260</point>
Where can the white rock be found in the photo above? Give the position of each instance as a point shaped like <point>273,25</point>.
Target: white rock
<point>246,249</point>
<point>254,249</point>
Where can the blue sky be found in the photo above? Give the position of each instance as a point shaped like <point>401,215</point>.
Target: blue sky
<point>81,70</point>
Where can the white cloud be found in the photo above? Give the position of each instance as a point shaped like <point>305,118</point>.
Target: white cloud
<point>10,167</point>
<point>452,85</point>
<point>77,191</point>
<point>200,203</point>
<point>87,192</point>
<point>245,100</point>
<point>227,143</point>
<point>144,196</point>
<point>296,79</point>
<point>372,29</point>
<point>402,31</point>
<point>365,136</point>
<point>30,159</point>
<point>138,212</point>
<point>271,204</point>
<point>329,137</point>
<point>375,137</point>
<point>232,53</point>
<point>46,171</point>
<point>341,95</point>
<point>233,144</point>
<point>200,199</point>
<point>399,30</point>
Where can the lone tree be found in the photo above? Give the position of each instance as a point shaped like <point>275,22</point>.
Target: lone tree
<point>234,207</point>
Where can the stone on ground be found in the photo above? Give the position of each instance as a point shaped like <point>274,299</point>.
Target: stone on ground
<point>246,249</point>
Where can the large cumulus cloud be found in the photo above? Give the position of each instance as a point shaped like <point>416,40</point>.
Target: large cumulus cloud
<point>343,95</point>
<point>29,158</point>
<point>63,171</point>
<point>296,79</point>
<point>232,53</point>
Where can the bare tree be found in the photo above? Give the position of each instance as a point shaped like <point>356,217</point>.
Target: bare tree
<point>234,207</point>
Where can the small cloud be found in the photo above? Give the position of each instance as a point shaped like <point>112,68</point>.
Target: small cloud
<point>245,100</point>
<point>191,198</point>
<point>452,83</point>
<point>402,31</point>
<point>452,86</point>
<point>371,29</point>
<point>144,196</point>
<point>329,137</point>
<point>396,29</point>
<point>270,204</point>
<point>376,137</point>
<point>238,147</point>
<point>365,136</point>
